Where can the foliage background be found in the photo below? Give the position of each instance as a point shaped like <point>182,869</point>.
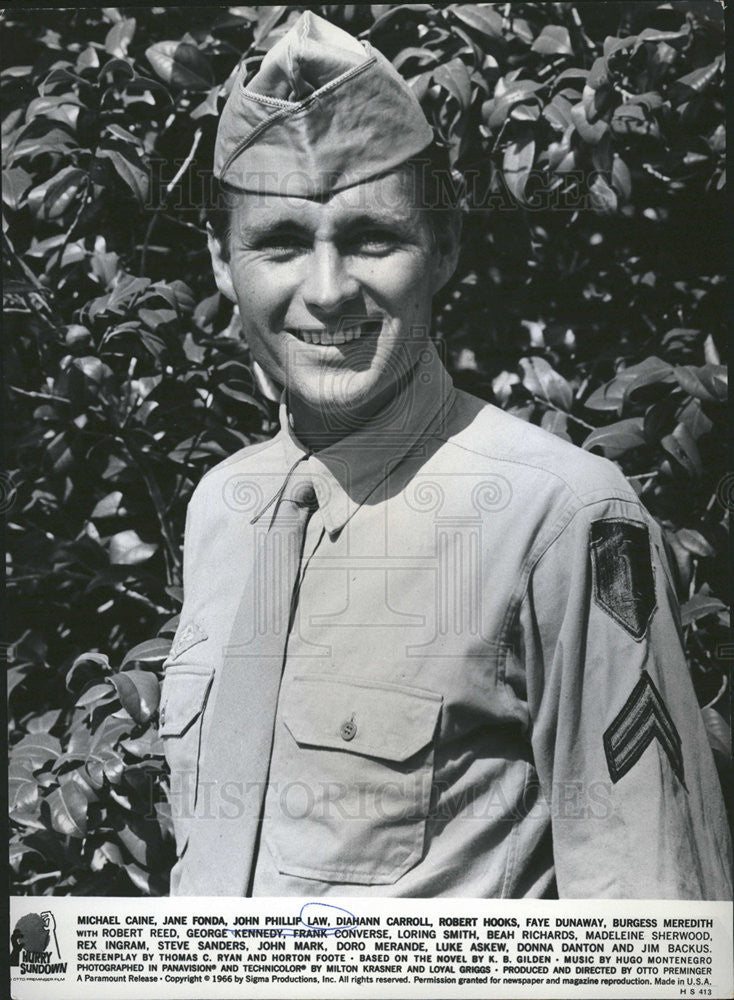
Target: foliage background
<point>590,299</point>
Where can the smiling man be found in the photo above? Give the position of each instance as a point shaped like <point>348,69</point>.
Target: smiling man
<point>335,294</point>
<point>426,648</point>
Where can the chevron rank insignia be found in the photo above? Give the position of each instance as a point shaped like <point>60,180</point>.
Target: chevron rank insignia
<point>624,585</point>
<point>642,719</point>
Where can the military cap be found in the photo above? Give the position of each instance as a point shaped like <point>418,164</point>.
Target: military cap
<point>323,112</point>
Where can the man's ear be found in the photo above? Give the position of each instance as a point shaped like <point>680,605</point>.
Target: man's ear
<point>220,265</point>
<point>448,244</point>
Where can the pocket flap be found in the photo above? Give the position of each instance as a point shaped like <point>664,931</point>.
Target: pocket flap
<point>378,720</point>
<point>183,697</point>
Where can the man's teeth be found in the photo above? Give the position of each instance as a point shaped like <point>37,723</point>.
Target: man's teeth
<point>326,339</point>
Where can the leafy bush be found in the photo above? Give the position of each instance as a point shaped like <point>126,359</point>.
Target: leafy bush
<point>589,298</point>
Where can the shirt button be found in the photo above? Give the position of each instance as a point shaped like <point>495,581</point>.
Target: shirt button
<point>304,495</point>
<point>348,730</point>
<point>163,715</point>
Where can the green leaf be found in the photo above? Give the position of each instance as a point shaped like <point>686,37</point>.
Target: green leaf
<point>618,438</point>
<point>556,423</point>
<point>118,132</point>
<point>79,741</point>
<point>102,764</point>
<point>141,879</point>
<point>238,395</point>
<point>107,853</point>
<point>169,627</point>
<point>88,59</point>
<point>154,318</point>
<point>680,336</point>
<point>95,694</point>
<point>610,397</point>
<point>543,381</point>
<point>698,80</point>
<point>135,844</point>
<point>553,40</point>
<point>126,548</point>
<point>68,809</point>
<point>111,730</point>
<point>181,65</point>
<point>691,414</point>
<point>681,446</point>
<point>422,10</point>
<point>177,293</point>
<point>110,506</point>
<point>43,723</point>
<point>454,77</point>
<point>602,197</point>
<point>516,166</point>
<point>15,184</point>
<point>483,19</point>
<point>23,793</point>
<point>708,383</point>
<point>52,198</point>
<point>36,750</point>
<point>93,369</point>
<point>631,119</point>
<point>506,96</point>
<point>150,651</point>
<point>16,676</point>
<point>139,692</point>
<point>614,44</point>
<point>591,133</point>
<point>650,372</point>
<point>119,37</point>
<point>699,606</point>
<point>148,745</point>
<point>130,169</point>
<point>621,178</point>
<point>18,852</point>
<point>558,113</point>
<point>694,542</point>
<point>86,666</point>
<point>267,19</point>
<point>209,106</point>
<point>54,141</point>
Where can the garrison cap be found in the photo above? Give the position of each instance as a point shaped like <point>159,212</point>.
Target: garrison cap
<point>322,113</point>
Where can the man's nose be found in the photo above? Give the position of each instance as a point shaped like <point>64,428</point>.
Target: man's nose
<point>328,285</point>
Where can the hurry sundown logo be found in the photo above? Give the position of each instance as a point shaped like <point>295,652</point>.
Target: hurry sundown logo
<point>35,947</point>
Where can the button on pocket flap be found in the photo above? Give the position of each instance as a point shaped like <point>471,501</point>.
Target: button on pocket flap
<point>378,720</point>
<point>183,697</point>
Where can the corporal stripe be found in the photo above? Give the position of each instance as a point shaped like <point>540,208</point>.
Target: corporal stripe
<point>643,718</point>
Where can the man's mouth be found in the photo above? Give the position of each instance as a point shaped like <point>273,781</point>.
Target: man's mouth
<point>341,335</point>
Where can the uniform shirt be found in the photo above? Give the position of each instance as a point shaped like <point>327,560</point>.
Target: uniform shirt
<point>484,692</point>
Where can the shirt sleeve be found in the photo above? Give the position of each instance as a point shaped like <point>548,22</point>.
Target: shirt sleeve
<point>618,738</point>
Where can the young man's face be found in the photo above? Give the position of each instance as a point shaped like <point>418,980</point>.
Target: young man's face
<point>335,296</point>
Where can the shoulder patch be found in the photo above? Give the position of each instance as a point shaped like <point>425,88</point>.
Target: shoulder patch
<point>643,718</point>
<point>624,585</point>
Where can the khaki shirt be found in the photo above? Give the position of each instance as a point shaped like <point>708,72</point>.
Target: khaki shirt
<point>484,692</point>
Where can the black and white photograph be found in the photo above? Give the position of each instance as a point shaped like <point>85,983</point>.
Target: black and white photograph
<point>366,495</point>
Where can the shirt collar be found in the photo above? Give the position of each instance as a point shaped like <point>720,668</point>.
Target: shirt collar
<point>346,472</point>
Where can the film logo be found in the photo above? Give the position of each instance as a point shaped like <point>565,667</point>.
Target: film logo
<point>35,947</point>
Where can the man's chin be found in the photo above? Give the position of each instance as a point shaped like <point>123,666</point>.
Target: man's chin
<point>345,402</point>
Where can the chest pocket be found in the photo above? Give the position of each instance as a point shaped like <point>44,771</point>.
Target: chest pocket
<point>183,698</point>
<point>358,762</point>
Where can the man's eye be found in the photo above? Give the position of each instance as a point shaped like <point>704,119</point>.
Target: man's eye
<point>283,246</point>
<point>373,241</point>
